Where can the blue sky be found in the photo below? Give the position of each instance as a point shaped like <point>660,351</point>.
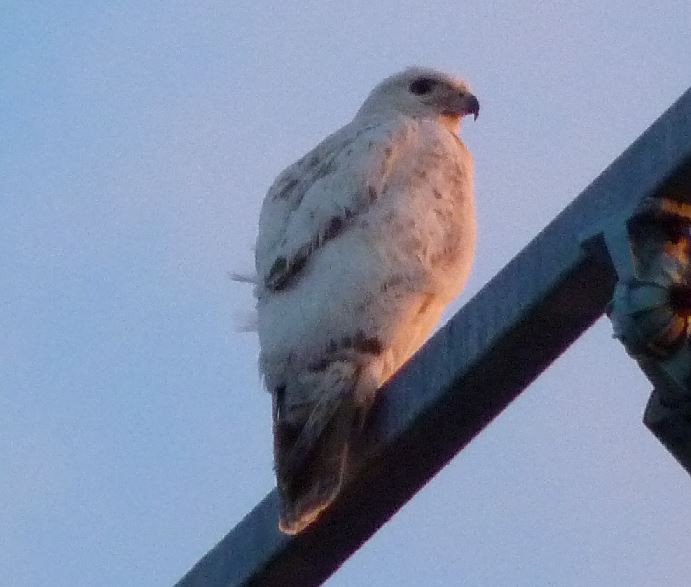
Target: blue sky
<point>136,143</point>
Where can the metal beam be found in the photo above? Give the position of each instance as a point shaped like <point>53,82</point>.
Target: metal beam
<point>464,376</point>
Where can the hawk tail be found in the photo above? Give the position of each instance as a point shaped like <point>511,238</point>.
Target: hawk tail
<point>313,425</point>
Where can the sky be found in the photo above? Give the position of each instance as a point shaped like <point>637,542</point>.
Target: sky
<point>137,140</point>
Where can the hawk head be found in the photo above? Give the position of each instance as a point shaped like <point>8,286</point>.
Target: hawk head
<point>422,92</point>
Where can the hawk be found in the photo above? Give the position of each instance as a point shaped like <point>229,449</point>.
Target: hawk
<point>361,244</point>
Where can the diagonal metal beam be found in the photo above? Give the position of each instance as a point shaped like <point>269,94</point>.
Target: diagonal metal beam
<point>464,376</point>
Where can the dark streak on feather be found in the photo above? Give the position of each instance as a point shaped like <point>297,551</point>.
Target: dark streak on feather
<point>285,191</point>
<point>371,345</point>
<point>282,272</point>
<point>335,226</point>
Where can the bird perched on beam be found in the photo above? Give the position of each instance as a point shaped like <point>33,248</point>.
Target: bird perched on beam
<point>362,243</point>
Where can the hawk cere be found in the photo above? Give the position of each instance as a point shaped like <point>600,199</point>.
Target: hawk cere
<point>362,243</point>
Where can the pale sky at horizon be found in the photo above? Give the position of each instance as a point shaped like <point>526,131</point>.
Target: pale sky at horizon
<point>136,143</point>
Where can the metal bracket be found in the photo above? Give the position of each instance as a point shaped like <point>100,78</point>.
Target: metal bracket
<point>651,309</point>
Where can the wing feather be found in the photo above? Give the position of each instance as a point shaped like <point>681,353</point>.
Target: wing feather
<point>314,200</point>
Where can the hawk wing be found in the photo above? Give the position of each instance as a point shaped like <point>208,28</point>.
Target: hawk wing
<point>314,200</point>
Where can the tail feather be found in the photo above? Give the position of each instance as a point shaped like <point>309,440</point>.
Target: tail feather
<point>311,450</point>
<point>313,487</point>
<point>321,416</point>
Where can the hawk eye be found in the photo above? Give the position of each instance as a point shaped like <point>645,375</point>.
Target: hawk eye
<point>422,85</point>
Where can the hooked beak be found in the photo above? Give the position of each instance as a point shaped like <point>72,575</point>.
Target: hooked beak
<point>470,105</point>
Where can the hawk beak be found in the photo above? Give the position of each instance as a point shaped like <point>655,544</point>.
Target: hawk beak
<point>470,105</point>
